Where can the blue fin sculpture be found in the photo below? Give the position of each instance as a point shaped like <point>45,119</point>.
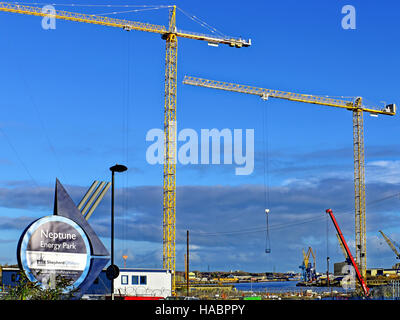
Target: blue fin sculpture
<point>65,207</point>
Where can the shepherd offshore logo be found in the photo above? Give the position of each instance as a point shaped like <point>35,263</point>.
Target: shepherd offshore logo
<point>204,148</point>
<point>41,261</point>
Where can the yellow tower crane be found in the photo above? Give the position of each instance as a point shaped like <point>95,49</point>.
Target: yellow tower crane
<point>170,34</point>
<point>355,105</point>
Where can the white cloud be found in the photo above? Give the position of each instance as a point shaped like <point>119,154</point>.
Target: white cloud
<point>307,182</point>
<point>383,171</point>
<point>297,220</point>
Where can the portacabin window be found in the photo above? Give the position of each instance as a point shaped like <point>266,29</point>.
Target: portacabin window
<point>15,277</point>
<point>135,279</point>
<point>124,279</point>
<point>143,280</point>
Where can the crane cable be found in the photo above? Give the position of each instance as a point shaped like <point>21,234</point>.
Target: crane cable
<point>125,140</point>
<point>266,185</point>
<point>201,23</point>
<point>144,7</point>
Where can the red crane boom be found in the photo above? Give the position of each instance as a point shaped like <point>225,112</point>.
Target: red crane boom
<point>340,234</point>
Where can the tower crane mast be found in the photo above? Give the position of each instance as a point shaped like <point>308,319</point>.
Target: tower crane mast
<point>170,34</point>
<point>356,106</point>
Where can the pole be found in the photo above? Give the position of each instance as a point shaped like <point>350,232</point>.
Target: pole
<point>327,251</point>
<point>186,273</point>
<point>112,230</point>
<point>187,261</point>
<point>327,270</point>
<point>113,268</point>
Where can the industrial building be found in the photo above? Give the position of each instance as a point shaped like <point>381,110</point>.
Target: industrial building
<point>373,272</point>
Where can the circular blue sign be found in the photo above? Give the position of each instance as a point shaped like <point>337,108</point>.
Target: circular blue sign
<point>54,246</point>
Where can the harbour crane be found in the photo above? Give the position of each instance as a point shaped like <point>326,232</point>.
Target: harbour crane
<point>170,34</point>
<point>314,265</point>
<point>309,270</point>
<point>356,106</point>
<point>343,249</point>
<point>391,244</point>
<point>304,265</point>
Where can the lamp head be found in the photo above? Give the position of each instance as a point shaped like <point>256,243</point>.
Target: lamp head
<point>118,168</point>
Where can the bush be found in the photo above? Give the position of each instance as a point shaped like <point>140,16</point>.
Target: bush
<point>28,290</point>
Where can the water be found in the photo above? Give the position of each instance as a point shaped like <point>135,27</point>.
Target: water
<point>281,286</point>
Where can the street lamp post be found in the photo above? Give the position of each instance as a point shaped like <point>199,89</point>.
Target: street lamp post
<point>113,269</point>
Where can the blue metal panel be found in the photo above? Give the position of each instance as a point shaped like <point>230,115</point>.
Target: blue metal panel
<point>10,278</point>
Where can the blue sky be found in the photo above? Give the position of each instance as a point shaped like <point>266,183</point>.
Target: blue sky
<point>81,98</point>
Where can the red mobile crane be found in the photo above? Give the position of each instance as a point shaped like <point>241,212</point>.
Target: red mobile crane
<point>340,234</point>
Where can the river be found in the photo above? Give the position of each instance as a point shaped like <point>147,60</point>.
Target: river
<point>281,286</point>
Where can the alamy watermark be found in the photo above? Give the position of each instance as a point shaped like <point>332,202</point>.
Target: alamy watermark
<point>49,20</point>
<point>204,149</point>
<point>349,20</point>
<point>349,280</point>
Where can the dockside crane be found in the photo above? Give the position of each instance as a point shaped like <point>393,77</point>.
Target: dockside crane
<point>392,244</point>
<point>170,34</point>
<point>356,106</point>
<point>313,268</point>
<point>346,257</point>
<point>308,269</point>
<point>304,265</point>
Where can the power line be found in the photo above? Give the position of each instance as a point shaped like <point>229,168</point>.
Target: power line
<point>36,108</point>
<point>284,225</point>
<point>18,156</point>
